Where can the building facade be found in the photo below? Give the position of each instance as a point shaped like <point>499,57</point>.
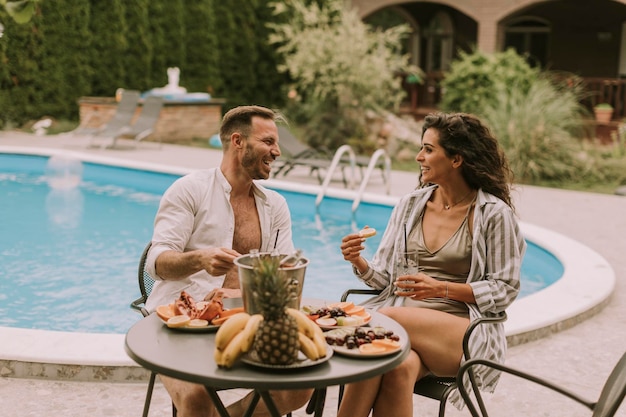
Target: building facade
<point>584,37</point>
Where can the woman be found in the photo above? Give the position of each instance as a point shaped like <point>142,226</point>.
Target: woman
<point>470,249</point>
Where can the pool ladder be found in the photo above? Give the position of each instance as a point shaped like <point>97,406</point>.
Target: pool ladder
<point>371,166</point>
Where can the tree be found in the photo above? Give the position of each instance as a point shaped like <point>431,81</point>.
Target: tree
<point>138,57</point>
<point>200,69</point>
<point>340,67</point>
<point>64,72</point>
<point>167,36</point>
<point>108,47</point>
<point>238,53</point>
<point>21,91</point>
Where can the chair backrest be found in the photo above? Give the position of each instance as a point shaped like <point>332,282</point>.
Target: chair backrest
<point>613,392</point>
<point>290,145</point>
<point>124,112</point>
<point>145,281</point>
<point>149,115</point>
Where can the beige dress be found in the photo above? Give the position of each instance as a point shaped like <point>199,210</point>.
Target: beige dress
<point>449,263</point>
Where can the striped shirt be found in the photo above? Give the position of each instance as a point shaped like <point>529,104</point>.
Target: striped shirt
<point>498,248</point>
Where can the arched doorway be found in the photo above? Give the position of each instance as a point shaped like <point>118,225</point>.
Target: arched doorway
<point>438,36</point>
<point>529,36</point>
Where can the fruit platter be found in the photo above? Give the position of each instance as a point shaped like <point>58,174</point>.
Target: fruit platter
<point>343,314</point>
<point>363,342</point>
<point>187,314</point>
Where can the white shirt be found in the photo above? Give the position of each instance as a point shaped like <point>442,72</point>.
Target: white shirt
<point>195,213</point>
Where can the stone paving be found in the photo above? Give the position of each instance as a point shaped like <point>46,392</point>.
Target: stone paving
<point>579,357</point>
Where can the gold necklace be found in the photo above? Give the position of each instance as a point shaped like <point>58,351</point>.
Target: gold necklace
<point>448,206</point>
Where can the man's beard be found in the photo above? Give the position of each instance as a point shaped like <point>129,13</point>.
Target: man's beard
<point>250,163</point>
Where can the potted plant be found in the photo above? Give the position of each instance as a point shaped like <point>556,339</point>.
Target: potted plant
<point>603,112</point>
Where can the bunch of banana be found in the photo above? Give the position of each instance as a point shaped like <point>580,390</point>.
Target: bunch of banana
<point>311,336</point>
<point>235,337</point>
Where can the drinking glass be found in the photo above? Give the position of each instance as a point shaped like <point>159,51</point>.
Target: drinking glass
<point>406,264</point>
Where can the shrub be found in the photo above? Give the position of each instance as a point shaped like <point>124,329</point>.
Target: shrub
<point>340,68</point>
<point>474,79</point>
<point>539,126</point>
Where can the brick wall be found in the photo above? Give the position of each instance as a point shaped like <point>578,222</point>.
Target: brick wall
<point>178,121</point>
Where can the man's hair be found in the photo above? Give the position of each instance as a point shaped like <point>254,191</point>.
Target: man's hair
<point>239,119</point>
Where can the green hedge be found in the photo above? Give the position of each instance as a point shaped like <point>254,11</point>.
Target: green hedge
<point>74,48</point>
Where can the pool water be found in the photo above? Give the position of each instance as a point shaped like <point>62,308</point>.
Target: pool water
<point>68,255</point>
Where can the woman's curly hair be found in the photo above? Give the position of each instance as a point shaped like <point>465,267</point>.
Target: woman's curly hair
<point>485,164</point>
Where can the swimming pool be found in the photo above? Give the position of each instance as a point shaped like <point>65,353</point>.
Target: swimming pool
<point>55,243</point>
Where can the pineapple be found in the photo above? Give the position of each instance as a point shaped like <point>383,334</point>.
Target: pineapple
<point>276,341</point>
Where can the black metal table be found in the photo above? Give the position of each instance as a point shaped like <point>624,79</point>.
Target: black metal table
<point>189,356</point>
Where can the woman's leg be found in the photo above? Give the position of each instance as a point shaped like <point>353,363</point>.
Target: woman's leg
<point>395,396</point>
<point>285,401</point>
<point>358,398</point>
<point>191,400</point>
<point>436,336</point>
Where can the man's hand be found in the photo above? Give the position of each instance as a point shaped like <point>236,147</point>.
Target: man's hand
<point>218,261</point>
<point>226,293</point>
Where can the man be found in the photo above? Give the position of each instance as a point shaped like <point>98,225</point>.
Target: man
<point>208,218</point>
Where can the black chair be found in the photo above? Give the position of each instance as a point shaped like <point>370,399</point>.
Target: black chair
<point>145,288</point>
<point>608,403</point>
<point>146,282</point>
<point>437,388</point>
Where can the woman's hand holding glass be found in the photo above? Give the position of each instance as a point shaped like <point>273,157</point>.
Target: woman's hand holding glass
<point>411,282</point>
<point>419,286</point>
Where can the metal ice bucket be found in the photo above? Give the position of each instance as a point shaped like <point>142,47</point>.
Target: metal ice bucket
<point>294,274</point>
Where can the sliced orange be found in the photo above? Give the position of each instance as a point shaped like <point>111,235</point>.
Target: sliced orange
<point>231,311</point>
<point>178,321</point>
<point>165,312</point>
<point>370,349</point>
<point>342,305</point>
<point>218,321</point>
<point>365,316</point>
<point>386,343</point>
<point>354,310</point>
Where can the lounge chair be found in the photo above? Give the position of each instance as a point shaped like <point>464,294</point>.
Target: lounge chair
<point>143,126</point>
<point>297,153</point>
<point>123,115</point>
<point>606,405</point>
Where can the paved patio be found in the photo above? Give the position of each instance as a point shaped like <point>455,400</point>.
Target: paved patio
<point>579,357</point>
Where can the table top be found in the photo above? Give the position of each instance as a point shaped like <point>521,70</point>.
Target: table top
<point>189,356</point>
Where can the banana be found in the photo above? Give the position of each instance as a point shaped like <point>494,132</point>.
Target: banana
<point>250,331</point>
<point>218,356</point>
<point>234,349</point>
<point>227,331</point>
<point>307,346</point>
<point>305,325</point>
<point>320,343</point>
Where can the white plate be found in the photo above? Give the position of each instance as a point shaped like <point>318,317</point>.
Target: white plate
<point>302,362</point>
<point>355,352</point>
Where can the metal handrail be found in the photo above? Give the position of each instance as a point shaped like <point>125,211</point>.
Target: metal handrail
<point>370,167</point>
<point>333,165</point>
